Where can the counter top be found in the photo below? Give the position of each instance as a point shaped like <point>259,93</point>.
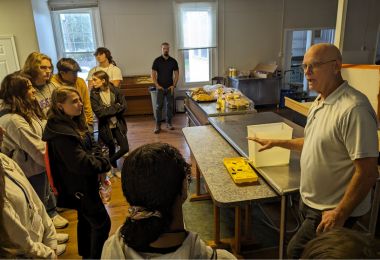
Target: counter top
<point>283,179</point>
<point>209,148</point>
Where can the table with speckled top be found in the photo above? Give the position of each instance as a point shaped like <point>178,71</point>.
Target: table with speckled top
<point>209,148</point>
<point>228,139</point>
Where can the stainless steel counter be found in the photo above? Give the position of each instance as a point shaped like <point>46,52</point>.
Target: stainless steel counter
<point>283,179</point>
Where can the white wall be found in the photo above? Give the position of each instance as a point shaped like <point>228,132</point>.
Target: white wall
<point>249,30</point>
<point>16,18</point>
<point>133,30</point>
<point>301,14</point>
<point>44,30</point>
<point>362,23</point>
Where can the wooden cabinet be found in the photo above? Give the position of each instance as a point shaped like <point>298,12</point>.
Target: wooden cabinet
<point>136,92</point>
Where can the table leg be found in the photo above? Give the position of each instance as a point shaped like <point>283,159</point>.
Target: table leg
<point>216,225</point>
<point>198,196</point>
<point>248,223</point>
<point>237,242</point>
<point>282,226</point>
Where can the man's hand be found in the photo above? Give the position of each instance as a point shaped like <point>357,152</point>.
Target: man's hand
<point>159,87</point>
<point>171,88</point>
<point>266,143</point>
<point>330,219</point>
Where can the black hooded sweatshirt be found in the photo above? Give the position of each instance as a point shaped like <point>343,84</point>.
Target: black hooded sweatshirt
<point>75,163</point>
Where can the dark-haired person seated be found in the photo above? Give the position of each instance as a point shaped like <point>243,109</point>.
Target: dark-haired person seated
<point>154,182</point>
<point>342,243</point>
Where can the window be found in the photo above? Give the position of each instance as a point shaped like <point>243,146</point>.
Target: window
<point>77,34</point>
<point>196,39</point>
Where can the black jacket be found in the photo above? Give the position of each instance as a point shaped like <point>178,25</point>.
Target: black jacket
<point>104,112</point>
<point>75,162</point>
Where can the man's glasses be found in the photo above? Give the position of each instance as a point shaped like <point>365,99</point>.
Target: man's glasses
<point>314,65</point>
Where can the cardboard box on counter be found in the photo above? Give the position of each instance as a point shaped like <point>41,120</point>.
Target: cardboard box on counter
<point>263,71</point>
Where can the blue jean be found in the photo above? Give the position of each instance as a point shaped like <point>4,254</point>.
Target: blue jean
<point>311,219</point>
<point>164,94</point>
<point>40,184</point>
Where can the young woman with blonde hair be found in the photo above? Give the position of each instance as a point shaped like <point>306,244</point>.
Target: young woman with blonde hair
<point>39,68</point>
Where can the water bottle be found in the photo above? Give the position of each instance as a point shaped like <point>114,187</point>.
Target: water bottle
<point>105,190</point>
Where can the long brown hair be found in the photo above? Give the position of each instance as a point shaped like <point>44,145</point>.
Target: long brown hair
<point>13,91</point>
<point>32,65</point>
<point>100,74</point>
<point>60,95</point>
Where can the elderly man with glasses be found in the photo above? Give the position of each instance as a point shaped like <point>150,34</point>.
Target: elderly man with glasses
<point>339,150</point>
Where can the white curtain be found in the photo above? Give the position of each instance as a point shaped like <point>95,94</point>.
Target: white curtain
<point>196,25</point>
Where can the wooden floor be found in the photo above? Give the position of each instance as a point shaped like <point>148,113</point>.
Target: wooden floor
<point>140,131</point>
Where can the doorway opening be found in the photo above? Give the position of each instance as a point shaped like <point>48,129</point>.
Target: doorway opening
<point>296,43</point>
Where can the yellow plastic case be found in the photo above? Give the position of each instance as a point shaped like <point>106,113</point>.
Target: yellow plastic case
<point>240,170</point>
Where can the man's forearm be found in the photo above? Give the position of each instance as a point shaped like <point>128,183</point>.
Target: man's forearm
<point>176,76</point>
<point>154,79</point>
<point>361,183</point>
<point>293,144</point>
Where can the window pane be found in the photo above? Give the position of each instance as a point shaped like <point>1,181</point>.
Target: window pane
<point>197,65</point>
<point>77,32</point>
<point>85,60</point>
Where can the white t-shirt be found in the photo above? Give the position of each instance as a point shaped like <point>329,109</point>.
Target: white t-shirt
<point>113,72</point>
<point>339,130</point>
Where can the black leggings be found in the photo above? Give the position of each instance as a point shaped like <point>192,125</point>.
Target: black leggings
<point>93,228</point>
<point>122,141</point>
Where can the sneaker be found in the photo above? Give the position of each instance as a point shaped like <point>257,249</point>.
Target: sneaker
<point>157,129</point>
<point>61,249</point>
<point>62,238</point>
<point>170,126</point>
<point>59,222</point>
<point>116,172</point>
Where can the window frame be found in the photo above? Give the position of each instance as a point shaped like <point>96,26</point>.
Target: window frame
<point>58,35</point>
<point>213,49</point>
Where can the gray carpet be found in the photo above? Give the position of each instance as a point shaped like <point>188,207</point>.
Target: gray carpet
<point>199,218</point>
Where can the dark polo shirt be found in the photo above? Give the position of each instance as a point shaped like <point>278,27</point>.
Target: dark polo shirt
<point>165,69</point>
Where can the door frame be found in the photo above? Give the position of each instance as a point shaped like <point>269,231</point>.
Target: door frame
<point>12,38</point>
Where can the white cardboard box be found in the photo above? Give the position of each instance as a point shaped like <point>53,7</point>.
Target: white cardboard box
<point>263,70</point>
<point>276,155</point>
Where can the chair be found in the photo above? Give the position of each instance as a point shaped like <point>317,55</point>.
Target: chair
<point>218,80</point>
